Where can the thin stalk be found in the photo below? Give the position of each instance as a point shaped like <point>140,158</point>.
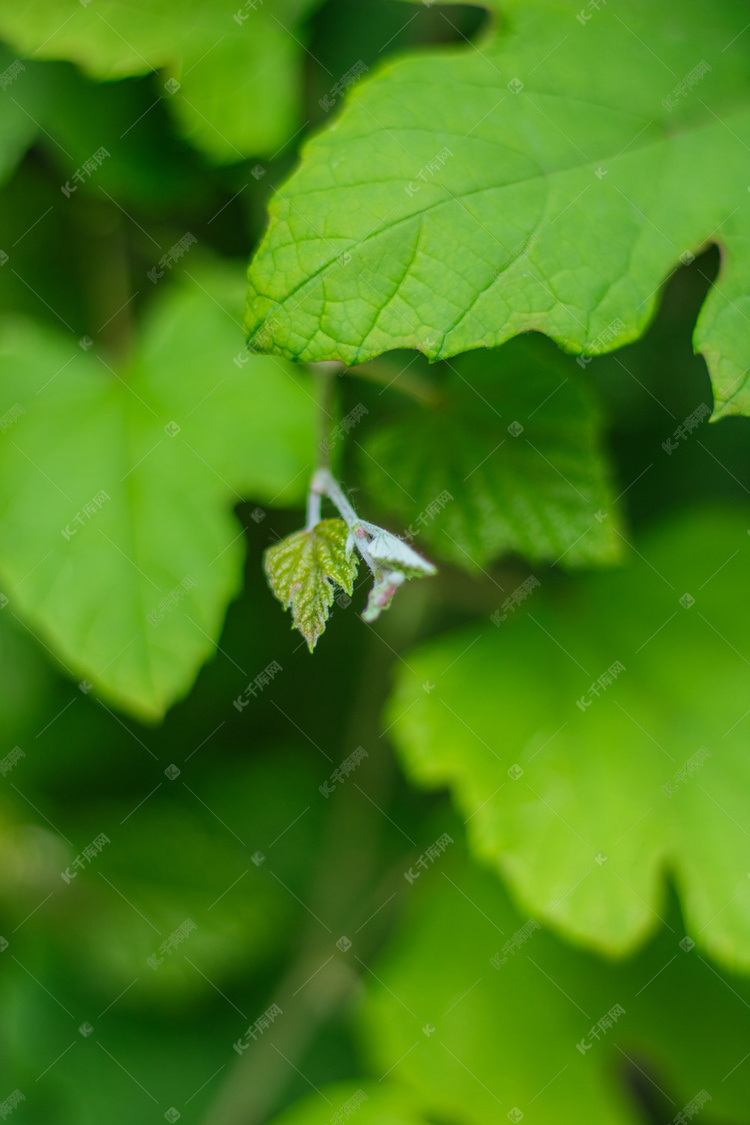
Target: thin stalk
<point>324,483</point>
<point>390,377</point>
<point>313,509</point>
<point>325,374</point>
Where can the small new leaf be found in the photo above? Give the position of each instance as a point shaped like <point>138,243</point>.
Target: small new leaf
<point>303,569</point>
<point>382,594</point>
<point>396,562</point>
<point>387,550</point>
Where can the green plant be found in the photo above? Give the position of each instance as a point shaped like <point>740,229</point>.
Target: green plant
<point>488,341</point>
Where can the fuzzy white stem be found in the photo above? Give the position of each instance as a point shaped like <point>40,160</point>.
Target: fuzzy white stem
<point>313,509</point>
<point>323,483</point>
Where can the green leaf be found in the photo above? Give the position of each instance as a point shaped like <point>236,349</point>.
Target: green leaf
<point>117,481</point>
<point>395,562</point>
<point>583,783</point>
<point>302,570</point>
<point>508,1032</point>
<point>549,179</point>
<point>147,167</point>
<point>232,83</point>
<point>24,81</point>
<point>475,1014</point>
<point>520,465</point>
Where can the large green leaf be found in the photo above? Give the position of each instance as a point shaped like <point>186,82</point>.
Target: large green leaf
<point>20,82</point>
<point>477,1016</point>
<point>550,179</point>
<point>508,1032</point>
<point>519,467</point>
<point>585,784</point>
<point>231,82</point>
<point>119,548</point>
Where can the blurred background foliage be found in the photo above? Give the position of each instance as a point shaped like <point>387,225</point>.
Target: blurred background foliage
<point>215,815</point>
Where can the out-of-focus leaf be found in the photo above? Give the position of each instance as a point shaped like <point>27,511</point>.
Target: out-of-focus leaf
<point>508,459</point>
<point>521,1021</point>
<point>476,1015</point>
<point>230,74</point>
<point>143,164</point>
<point>22,80</point>
<point>596,738</point>
<point>118,484</point>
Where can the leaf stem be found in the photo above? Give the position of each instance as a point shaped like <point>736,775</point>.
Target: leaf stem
<point>324,483</point>
<point>313,509</point>
<point>325,372</point>
<point>392,377</point>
